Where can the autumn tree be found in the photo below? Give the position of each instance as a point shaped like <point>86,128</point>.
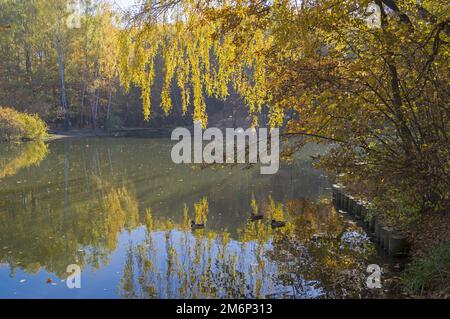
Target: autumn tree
<point>369,77</point>
<point>57,69</point>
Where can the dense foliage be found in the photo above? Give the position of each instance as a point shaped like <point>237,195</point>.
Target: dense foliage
<point>371,77</point>
<point>66,75</point>
<point>16,126</point>
<point>67,72</point>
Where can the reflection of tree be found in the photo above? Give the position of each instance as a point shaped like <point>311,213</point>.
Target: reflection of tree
<point>312,256</point>
<point>85,193</point>
<point>201,211</point>
<point>321,247</point>
<point>98,222</point>
<point>15,157</point>
<point>60,220</point>
<point>175,262</point>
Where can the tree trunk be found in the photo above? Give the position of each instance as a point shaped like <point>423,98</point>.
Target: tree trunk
<point>94,105</point>
<point>83,94</point>
<point>83,97</point>
<point>28,62</point>
<point>64,105</point>
<point>94,109</point>
<point>108,111</point>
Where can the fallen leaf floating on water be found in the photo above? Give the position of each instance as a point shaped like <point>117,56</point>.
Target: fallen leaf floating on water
<point>49,280</point>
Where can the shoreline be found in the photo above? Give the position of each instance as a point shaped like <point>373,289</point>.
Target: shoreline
<point>55,135</point>
<point>60,135</point>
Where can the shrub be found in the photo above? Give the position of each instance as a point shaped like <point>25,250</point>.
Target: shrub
<point>430,272</point>
<point>16,126</point>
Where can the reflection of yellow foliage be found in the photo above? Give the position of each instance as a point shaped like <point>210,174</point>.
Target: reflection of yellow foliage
<point>186,219</point>
<point>225,238</point>
<point>275,210</point>
<point>166,225</point>
<point>313,218</point>
<point>254,205</point>
<point>258,231</point>
<point>15,157</point>
<point>33,268</point>
<point>120,211</point>
<point>201,211</point>
<point>149,219</point>
<point>121,207</point>
<point>209,264</point>
<point>130,206</point>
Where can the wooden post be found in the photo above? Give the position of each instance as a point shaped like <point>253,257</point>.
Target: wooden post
<point>337,194</point>
<point>357,208</point>
<point>372,225</point>
<point>398,245</point>
<point>386,233</point>
<point>345,202</point>
<point>378,226</point>
<point>351,205</point>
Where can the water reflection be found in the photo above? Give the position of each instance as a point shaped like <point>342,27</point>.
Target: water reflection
<point>35,231</point>
<point>122,210</point>
<point>317,254</point>
<point>14,157</point>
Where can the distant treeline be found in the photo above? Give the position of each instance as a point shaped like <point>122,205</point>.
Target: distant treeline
<point>70,76</point>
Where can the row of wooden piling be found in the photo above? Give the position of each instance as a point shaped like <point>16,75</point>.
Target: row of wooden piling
<point>391,241</point>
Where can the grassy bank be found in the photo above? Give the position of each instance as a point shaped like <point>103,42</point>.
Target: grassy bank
<point>429,275</point>
<point>17,126</point>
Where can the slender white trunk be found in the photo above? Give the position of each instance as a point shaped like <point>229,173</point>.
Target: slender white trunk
<point>64,105</point>
<point>94,105</point>
<point>108,111</point>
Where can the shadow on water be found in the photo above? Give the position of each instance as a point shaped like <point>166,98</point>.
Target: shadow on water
<point>121,210</point>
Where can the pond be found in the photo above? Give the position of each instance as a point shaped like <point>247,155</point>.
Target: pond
<point>121,210</point>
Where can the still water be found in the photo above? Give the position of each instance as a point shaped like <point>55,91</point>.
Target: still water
<point>121,210</point>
